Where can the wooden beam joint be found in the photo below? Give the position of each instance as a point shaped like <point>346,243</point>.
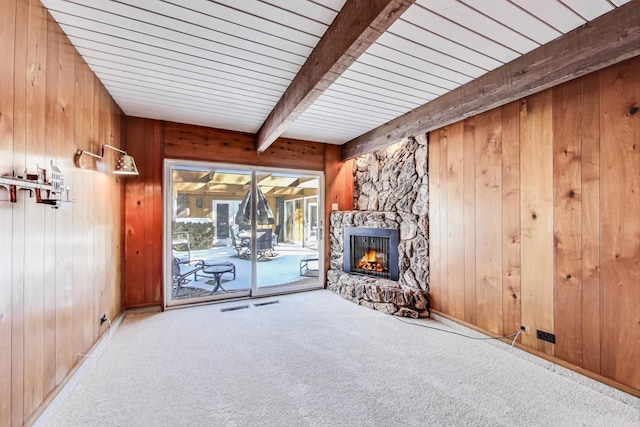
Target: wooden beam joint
<point>355,28</point>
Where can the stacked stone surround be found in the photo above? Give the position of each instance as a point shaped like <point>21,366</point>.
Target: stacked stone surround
<point>391,191</point>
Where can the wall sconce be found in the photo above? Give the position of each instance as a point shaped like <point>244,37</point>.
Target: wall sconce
<point>124,166</point>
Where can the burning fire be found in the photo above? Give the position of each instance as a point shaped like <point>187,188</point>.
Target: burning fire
<point>370,261</point>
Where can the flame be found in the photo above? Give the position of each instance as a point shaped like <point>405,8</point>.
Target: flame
<point>370,261</point>
<point>370,256</point>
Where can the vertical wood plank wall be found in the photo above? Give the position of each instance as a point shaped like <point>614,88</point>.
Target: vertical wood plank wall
<point>60,268</point>
<point>143,215</point>
<point>536,218</point>
<point>151,141</point>
<point>539,225</point>
<point>338,181</point>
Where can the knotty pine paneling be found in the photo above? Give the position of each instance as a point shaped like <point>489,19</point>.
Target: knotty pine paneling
<point>338,187</point>
<point>338,180</point>
<point>455,234</point>
<point>64,261</point>
<point>619,224</point>
<point>134,275</point>
<point>436,282</point>
<point>34,214</point>
<point>567,222</point>
<point>536,218</point>
<point>17,216</point>
<point>155,193</point>
<point>552,191</point>
<point>469,225</point>
<point>590,221</point>
<point>444,223</point>
<point>7,71</point>
<point>216,145</point>
<point>488,244</point>
<point>59,267</point>
<point>143,216</point>
<point>511,250</point>
<point>50,151</point>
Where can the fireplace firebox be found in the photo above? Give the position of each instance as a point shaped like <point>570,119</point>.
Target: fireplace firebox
<point>371,251</point>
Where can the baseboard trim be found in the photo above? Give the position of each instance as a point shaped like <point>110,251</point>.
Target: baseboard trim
<point>60,392</point>
<point>604,385</point>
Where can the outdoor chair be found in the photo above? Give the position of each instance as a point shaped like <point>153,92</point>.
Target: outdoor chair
<point>182,272</point>
<point>180,243</point>
<point>241,246</point>
<point>276,235</point>
<point>264,244</point>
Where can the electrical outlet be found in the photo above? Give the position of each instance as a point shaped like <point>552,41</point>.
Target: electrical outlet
<point>546,336</point>
<point>103,319</point>
<point>524,329</point>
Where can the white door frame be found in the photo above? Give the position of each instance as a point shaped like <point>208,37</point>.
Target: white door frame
<point>254,291</point>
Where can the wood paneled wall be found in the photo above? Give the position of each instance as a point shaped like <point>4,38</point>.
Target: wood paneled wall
<point>535,221</point>
<point>60,268</point>
<point>143,214</point>
<point>339,183</point>
<point>152,141</point>
<point>217,145</point>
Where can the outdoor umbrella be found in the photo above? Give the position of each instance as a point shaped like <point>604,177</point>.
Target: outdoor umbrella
<point>264,216</point>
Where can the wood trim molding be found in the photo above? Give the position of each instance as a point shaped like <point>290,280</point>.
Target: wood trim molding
<point>355,28</point>
<point>607,381</point>
<point>607,40</point>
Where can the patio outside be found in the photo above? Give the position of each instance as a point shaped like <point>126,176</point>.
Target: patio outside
<point>282,269</point>
<point>211,214</point>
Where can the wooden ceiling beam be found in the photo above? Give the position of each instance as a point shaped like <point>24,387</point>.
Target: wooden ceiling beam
<point>356,27</point>
<point>607,40</point>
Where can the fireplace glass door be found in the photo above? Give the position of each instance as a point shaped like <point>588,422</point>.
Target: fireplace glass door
<point>370,255</point>
<point>372,252</point>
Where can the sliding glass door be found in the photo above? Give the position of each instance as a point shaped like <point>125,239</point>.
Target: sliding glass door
<point>288,264</point>
<point>228,231</point>
<point>311,222</point>
<point>202,258</point>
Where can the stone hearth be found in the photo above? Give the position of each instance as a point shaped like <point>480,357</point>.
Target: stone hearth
<point>391,191</point>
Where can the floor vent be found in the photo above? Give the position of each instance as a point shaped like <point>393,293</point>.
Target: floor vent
<point>238,307</point>
<point>260,304</point>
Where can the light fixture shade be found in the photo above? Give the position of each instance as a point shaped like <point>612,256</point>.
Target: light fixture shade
<point>126,166</point>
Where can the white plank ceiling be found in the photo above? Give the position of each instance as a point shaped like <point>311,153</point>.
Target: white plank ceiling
<point>226,63</point>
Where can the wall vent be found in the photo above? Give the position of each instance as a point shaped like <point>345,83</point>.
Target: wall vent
<point>238,307</point>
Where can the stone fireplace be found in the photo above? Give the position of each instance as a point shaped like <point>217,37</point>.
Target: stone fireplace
<point>391,195</point>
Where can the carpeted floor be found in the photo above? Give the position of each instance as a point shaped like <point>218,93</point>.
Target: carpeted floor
<point>314,359</point>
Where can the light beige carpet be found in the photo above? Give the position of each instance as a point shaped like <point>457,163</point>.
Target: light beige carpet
<point>315,359</point>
